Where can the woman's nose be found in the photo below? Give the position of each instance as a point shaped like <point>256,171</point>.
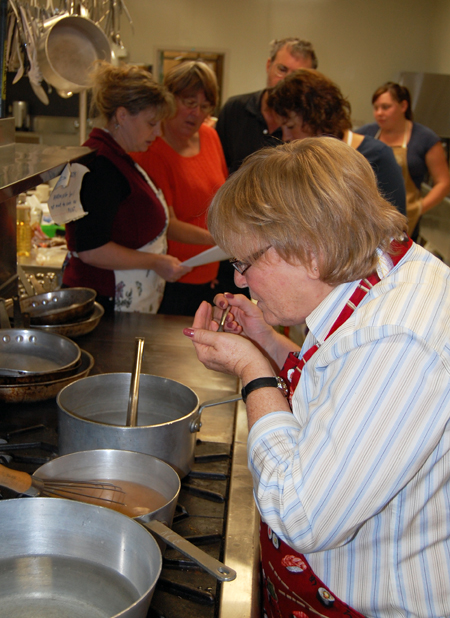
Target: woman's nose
<point>240,280</point>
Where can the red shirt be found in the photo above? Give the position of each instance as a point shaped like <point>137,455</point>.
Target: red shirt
<point>188,184</point>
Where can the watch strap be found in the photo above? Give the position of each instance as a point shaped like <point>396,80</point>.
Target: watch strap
<point>264,383</point>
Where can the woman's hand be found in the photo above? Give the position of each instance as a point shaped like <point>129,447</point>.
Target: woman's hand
<point>225,352</point>
<point>245,318</point>
<point>170,268</point>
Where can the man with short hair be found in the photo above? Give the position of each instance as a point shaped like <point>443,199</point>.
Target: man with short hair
<point>245,123</point>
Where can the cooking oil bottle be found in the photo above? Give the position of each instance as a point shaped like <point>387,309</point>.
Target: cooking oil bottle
<point>23,226</point>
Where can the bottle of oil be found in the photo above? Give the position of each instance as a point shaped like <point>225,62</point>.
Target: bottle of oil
<point>23,226</point>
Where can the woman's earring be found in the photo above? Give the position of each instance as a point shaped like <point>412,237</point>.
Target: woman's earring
<point>117,126</point>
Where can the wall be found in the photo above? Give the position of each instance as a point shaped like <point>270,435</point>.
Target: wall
<point>359,43</point>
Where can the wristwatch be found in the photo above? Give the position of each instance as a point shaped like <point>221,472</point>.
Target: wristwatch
<point>264,383</point>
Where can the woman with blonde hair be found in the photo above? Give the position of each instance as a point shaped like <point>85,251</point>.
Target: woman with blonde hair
<point>188,164</point>
<point>348,444</point>
<point>119,248</point>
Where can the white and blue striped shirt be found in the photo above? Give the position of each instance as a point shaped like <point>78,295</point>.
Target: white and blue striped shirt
<point>357,478</point>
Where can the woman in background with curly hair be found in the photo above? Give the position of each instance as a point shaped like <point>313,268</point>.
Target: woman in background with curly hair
<point>311,105</point>
<point>119,247</point>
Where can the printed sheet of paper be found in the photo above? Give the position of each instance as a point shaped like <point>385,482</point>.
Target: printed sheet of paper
<point>214,254</point>
<point>64,202</point>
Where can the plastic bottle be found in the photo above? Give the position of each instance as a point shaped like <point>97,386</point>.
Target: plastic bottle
<point>23,226</point>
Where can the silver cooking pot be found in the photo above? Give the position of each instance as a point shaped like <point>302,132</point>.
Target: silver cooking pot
<point>67,49</point>
<point>61,557</point>
<point>148,472</point>
<point>92,414</point>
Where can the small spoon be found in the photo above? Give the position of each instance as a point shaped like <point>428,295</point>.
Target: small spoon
<point>223,318</point>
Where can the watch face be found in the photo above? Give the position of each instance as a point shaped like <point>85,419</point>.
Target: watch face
<point>282,386</point>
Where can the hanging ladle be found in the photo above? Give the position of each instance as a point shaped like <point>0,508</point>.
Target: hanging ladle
<point>133,398</point>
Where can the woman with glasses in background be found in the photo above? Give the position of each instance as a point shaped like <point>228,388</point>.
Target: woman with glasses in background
<point>188,164</point>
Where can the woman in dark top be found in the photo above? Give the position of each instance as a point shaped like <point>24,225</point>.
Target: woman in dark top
<point>311,105</point>
<point>417,148</point>
<point>119,246</point>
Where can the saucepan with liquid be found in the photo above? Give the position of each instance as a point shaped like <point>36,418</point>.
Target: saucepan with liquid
<point>92,415</point>
<point>151,488</point>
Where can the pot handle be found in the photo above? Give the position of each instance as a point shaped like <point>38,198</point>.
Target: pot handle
<point>215,568</point>
<point>196,423</point>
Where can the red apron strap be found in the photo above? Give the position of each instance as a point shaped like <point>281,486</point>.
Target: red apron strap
<point>293,366</point>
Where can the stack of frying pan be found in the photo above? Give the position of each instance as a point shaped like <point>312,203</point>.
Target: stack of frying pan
<point>37,358</point>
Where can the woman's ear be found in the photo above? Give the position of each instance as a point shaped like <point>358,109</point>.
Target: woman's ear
<point>121,113</point>
<point>404,106</point>
<point>313,268</point>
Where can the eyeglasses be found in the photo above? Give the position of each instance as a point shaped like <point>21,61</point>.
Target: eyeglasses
<point>205,108</point>
<point>242,266</point>
<point>281,70</point>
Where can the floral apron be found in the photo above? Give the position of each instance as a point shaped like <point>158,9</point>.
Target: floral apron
<point>142,290</point>
<point>290,587</point>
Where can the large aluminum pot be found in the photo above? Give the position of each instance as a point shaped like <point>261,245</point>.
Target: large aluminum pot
<point>92,413</point>
<point>148,472</point>
<point>67,49</point>
<point>60,557</point>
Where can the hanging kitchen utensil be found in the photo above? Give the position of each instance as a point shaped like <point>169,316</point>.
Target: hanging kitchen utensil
<point>34,72</point>
<point>66,50</point>
<point>134,385</point>
<point>151,494</point>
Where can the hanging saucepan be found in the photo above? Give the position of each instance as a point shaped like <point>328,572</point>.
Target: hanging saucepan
<point>65,558</point>
<point>92,414</point>
<point>151,493</point>
<point>32,356</point>
<point>67,49</point>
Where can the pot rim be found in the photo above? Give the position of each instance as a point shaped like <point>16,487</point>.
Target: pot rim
<point>77,416</point>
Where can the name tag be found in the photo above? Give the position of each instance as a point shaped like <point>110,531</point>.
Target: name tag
<point>64,202</point>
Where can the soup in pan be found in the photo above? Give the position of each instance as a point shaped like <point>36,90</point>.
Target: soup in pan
<point>133,499</point>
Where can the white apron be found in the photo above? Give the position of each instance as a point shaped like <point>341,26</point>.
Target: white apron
<point>142,290</point>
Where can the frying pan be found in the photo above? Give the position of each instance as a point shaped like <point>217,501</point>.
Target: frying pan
<point>64,558</point>
<point>147,471</point>
<point>41,391</point>
<point>66,50</point>
<point>58,307</point>
<point>31,355</point>
<point>78,327</point>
